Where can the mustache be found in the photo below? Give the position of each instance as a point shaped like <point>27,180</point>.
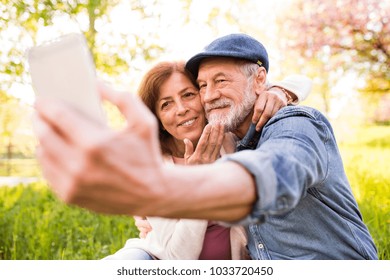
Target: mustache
<point>217,104</point>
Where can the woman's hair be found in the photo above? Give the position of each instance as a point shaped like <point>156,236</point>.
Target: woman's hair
<point>149,91</point>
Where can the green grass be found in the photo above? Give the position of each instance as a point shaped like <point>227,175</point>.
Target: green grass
<point>34,224</point>
<point>367,163</point>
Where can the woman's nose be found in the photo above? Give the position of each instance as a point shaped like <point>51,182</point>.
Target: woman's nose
<point>181,108</point>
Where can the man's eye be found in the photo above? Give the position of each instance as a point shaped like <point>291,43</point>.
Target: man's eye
<point>220,81</point>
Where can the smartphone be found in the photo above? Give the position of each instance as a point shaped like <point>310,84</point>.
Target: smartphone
<point>63,68</point>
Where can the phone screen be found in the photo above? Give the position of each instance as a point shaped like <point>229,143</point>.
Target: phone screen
<point>64,69</point>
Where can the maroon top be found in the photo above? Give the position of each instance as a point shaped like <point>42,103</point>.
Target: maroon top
<point>216,244</point>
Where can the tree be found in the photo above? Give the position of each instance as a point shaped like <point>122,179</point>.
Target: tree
<point>352,34</point>
<point>21,21</point>
<point>12,114</point>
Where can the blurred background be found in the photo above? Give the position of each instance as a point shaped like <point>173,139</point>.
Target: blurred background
<point>342,45</point>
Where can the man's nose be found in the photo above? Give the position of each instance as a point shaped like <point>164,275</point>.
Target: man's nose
<point>210,94</point>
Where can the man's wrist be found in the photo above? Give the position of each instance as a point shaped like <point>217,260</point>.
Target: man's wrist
<point>201,196</point>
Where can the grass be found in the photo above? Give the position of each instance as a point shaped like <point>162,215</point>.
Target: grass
<point>35,225</point>
<point>366,160</point>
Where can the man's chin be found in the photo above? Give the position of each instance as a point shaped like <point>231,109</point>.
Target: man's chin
<point>216,119</point>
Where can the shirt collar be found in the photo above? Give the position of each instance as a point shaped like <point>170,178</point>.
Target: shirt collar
<point>250,139</point>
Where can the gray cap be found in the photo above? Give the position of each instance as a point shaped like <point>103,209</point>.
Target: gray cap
<point>233,45</point>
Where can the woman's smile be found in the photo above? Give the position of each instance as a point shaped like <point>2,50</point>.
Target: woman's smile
<point>187,123</point>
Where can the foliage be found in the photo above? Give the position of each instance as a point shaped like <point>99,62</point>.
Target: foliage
<point>13,126</point>
<point>34,225</point>
<point>20,167</point>
<point>8,122</point>
<point>22,23</point>
<point>348,34</point>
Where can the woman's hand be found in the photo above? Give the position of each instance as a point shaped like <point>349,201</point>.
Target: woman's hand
<point>268,103</point>
<point>208,148</point>
<point>143,226</point>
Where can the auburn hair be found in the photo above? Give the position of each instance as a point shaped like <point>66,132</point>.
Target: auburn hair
<point>149,91</point>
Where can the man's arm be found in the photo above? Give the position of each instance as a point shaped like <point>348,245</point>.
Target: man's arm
<point>223,192</point>
<point>122,172</point>
<point>291,157</point>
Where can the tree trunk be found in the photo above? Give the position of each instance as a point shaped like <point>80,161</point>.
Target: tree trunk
<point>9,159</point>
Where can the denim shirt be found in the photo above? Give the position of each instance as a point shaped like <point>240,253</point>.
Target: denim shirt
<point>305,207</point>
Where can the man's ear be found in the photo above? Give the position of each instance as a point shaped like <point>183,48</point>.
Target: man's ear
<point>261,78</point>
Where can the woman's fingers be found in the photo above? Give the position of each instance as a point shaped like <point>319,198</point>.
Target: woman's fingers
<point>189,148</point>
<point>209,145</point>
<point>267,105</point>
<point>215,142</point>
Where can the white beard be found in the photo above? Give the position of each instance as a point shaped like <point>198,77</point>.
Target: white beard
<point>237,113</point>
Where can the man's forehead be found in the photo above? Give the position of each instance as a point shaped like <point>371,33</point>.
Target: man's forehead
<point>216,64</point>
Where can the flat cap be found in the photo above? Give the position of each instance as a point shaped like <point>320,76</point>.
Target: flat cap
<point>234,45</point>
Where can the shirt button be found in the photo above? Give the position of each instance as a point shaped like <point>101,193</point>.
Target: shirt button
<point>260,246</point>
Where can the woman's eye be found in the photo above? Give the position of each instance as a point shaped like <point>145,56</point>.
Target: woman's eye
<point>189,94</point>
<point>164,105</point>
